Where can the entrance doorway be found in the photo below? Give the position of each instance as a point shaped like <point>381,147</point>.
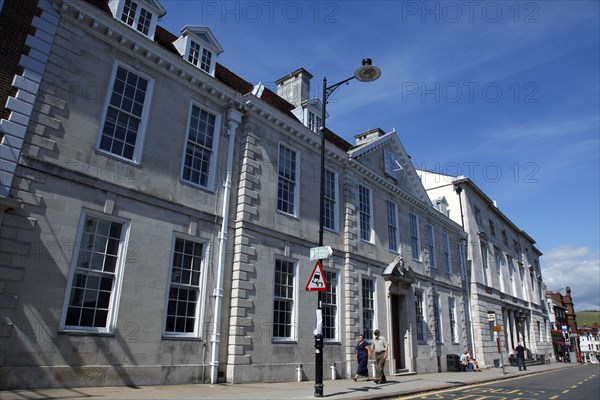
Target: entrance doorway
<point>399,327</point>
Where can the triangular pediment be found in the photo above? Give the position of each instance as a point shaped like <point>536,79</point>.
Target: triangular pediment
<point>314,104</point>
<point>156,5</point>
<point>384,154</point>
<point>204,35</point>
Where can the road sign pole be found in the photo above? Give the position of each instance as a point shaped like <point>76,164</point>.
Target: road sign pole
<point>500,351</point>
<point>319,354</point>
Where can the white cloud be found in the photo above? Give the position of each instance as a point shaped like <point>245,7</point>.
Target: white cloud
<point>565,127</point>
<point>577,268</point>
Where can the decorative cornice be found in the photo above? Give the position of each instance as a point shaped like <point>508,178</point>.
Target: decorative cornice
<point>289,126</point>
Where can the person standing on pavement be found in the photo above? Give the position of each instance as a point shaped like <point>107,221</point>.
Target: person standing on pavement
<point>521,356</point>
<point>362,353</point>
<point>380,347</point>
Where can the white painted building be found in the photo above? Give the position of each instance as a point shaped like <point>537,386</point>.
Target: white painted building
<point>506,286</point>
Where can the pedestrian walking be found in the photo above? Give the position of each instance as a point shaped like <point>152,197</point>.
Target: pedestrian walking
<point>380,347</point>
<point>362,355</point>
<point>520,350</point>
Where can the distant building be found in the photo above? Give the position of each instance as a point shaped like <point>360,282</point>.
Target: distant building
<point>564,305</point>
<point>505,280</point>
<point>589,343</point>
<point>559,328</point>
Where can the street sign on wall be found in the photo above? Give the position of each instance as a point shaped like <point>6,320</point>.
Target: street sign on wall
<point>320,253</point>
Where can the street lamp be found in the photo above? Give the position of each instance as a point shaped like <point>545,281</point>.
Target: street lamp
<point>366,73</point>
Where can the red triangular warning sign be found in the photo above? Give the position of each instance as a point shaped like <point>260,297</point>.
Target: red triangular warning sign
<point>317,282</point>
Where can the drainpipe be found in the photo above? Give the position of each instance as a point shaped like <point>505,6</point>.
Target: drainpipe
<point>234,118</point>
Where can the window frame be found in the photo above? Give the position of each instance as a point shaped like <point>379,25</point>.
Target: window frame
<point>498,259</point>
<point>368,295</point>
<point>334,200</point>
<point>137,17</point>
<point>364,214</point>
<point>293,337</point>
<point>393,226</point>
<point>331,277</point>
<point>492,227</point>
<point>215,150</point>
<point>478,216</point>
<point>420,317</point>
<point>511,274</point>
<point>200,61</point>
<point>431,246</point>
<point>143,118</point>
<point>452,320</point>
<point>117,283</point>
<point>415,235</point>
<point>200,311</point>
<point>296,181</point>
<point>446,251</point>
<point>437,319</point>
<point>484,261</point>
<point>521,267</point>
<point>314,121</point>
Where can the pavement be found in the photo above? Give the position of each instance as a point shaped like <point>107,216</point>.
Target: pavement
<point>397,386</point>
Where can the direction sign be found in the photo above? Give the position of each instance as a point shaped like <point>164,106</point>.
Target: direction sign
<point>497,328</point>
<point>320,253</point>
<point>317,282</point>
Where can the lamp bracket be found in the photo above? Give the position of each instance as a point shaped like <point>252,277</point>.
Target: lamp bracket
<point>330,89</point>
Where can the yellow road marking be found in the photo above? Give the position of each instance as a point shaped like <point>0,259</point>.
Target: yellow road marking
<point>463,387</point>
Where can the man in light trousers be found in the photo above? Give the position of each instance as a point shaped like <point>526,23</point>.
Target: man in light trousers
<point>380,348</point>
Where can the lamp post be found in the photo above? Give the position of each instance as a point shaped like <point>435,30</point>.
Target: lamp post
<point>366,73</point>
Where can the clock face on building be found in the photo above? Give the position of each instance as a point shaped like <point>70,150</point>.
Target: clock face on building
<point>392,167</point>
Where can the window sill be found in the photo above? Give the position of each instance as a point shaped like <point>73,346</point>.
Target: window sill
<point>85,333</point>
<point>183,338</point>
<point>133,163</point>
<point>284,214</point>
<point>208,189</point>
<point>284,341</point>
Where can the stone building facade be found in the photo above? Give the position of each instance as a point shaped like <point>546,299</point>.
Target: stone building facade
<point>163,211</point>
<point>505,280</point>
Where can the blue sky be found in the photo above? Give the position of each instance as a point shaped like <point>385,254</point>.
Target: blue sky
<point>505,92</point>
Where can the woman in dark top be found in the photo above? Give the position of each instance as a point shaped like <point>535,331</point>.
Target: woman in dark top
<point>363,352</point>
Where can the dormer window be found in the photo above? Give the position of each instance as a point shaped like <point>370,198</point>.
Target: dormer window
<point>137,19</point>
<point>198,46</point>
<point>442,206</point>
<point>309,113</point>
<point>140,15</point>
<point>200,57</point>
<point>314,122</point>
